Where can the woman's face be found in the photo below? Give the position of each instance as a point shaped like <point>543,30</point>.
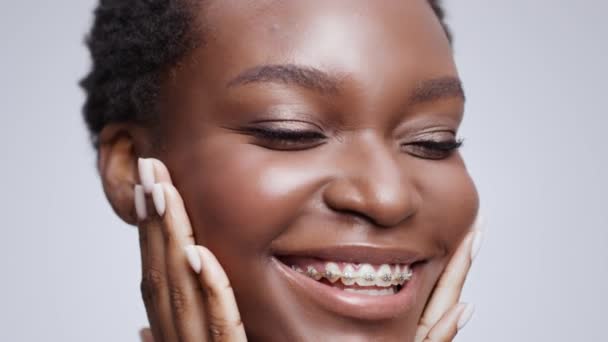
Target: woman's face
<point>308,132</point>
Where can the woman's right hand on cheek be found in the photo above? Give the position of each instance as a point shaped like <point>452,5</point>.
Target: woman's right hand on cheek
<point>443,316</point>
<point>186,292</point>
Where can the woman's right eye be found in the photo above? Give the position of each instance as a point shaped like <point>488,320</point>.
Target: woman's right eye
<point>287,139</point>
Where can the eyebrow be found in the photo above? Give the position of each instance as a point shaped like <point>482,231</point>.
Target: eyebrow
<point>303,76</point>
<point>320,81</point>
<point>436,89</point>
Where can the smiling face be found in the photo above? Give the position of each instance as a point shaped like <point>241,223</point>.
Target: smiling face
<point>316,133</point>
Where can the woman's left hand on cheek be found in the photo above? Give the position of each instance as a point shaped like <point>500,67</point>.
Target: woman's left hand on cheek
<point>182,305</point>
<point>443,316</point>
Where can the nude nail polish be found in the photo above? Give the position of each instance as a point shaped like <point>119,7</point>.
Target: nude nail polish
<point>480,222</point>
<point>465,316</point>
<point>146,174</point>
<point>158,197</point>
<point>476,244</point>
<point>194,258</point>
<point>140,202</point>
<point>145,335</point>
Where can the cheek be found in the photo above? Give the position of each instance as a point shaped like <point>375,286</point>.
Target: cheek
<point>241,199</point>
<point>242,196</point>
<point>449,206</point>
<point>450,202</point>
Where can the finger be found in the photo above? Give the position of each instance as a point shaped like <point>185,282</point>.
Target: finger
<point>224,320</point>
<point>185,291</point>
<point>152,171</point>
<point>160,174</point>
<point>452,321</point>
<point>151,275</point>
<point>154,284</point>
<point>449,287</point>
<point>145,335</point>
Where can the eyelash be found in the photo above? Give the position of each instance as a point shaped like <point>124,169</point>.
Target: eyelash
<point>288,139</point>
<point>300,140</point>
<point>431,149</point>
<point>289,135</point>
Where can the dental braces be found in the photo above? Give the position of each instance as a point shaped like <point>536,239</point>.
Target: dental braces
<point>347,276</point>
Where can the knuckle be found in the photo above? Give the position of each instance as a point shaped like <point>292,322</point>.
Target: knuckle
<point>152,283</point>
<point>220,328</point>
<point>217,291</point>
<point>215,331</point>
<point>178,301</point>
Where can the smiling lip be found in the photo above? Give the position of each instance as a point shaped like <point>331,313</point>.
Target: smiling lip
<point>351,304</point>
<point>357,254</point>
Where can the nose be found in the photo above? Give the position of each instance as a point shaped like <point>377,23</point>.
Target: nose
<point>373,182</point>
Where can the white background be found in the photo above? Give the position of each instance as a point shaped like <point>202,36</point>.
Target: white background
<point>536,77</point>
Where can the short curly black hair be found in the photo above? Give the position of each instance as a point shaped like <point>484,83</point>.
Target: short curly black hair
<point>132,42</point>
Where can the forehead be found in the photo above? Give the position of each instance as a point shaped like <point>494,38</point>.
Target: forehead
<point>367,40</point>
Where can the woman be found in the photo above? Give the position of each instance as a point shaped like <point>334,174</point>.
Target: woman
<point>309,146</point>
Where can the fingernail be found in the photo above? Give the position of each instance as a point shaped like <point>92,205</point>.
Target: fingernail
<point>145,335</point>
<point>476,244</point>
<point>466,315</point>
<point>158,197</point>
<point>194,258</point>
<point>140,202</point>
<point>480,222</point>
<point>146,174</point>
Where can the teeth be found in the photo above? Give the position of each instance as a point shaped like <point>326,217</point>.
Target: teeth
<point>362,275</point>
<point>367,275</point>
<point>396,277</point>
<point>385,276</point>
<point>332,272</point>
<point>313,273</point>
<point>405,274</point>
<point>348,275</point>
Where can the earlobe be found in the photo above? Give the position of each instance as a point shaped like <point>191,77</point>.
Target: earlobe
<point>117,164</point>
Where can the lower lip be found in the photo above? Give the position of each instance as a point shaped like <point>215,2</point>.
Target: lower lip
<point>352,304</point>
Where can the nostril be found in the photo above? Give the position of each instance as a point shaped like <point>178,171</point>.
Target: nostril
<point>371,201</point>
<point>354,218</point>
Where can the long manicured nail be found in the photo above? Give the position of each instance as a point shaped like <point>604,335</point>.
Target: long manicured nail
<point>158,197</point>
<point>476,244</point>
<point>140,203</point>
<point>480,222</point>
<point>465,316</point>
<point>194,258</point>
<point>146,174</point>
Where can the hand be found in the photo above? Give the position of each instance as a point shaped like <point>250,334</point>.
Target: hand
<point>443,317</point>
<point>175,309</point>
<point>171,291</point>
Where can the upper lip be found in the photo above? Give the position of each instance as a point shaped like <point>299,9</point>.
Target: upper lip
<point>357,253</point>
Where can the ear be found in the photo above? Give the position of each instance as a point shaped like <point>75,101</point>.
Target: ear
<point>117,165</point>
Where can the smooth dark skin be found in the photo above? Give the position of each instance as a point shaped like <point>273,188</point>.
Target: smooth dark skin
<point>362,183</point>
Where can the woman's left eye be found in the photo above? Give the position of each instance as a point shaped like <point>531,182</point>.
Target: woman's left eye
<point>287,139</point>
<point>431,149</point>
